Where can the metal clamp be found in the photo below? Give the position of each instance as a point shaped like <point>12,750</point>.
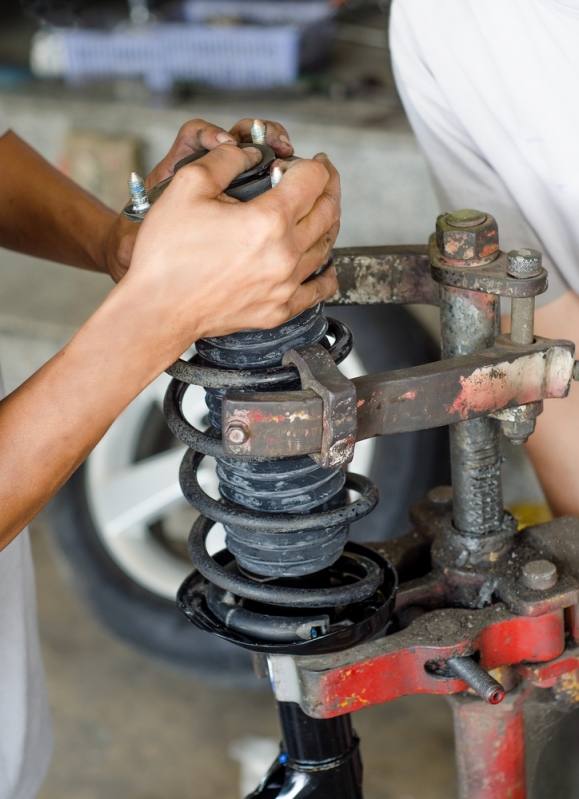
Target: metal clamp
<point>319,373</point>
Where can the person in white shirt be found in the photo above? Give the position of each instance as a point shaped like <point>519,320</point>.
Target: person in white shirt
<point>491,90</point>
<point>201,264</point>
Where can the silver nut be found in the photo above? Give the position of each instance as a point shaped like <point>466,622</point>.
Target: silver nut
<point>539,575</point>
<point>576,370</point>
<point>524,263</point>
<point>519,430</point>
<point>237,433</point>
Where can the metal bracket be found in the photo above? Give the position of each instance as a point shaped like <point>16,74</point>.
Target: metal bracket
<point>319,373</point>
<point>287,424</point>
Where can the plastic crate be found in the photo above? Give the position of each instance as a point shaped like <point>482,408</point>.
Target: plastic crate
<point>230,56</point>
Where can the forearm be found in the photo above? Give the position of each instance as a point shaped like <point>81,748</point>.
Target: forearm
<point>554,447</point>
<point>43,213</point>
<point>50,424</point>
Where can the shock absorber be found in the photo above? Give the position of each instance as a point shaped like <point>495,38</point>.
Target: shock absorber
<point>288,582</point>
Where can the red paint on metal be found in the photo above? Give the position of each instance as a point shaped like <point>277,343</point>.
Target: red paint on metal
<point>490,748</point>
<point>391,675</point>
<point>488,250</point>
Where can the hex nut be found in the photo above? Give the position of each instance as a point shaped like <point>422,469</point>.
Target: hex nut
<point>524,263</point>
<point>467,238</point>
<point>539,575</point>
<point>519,430</point>
<point>237,433</point>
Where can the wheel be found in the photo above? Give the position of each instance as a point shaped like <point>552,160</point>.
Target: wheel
<point>121,522</point>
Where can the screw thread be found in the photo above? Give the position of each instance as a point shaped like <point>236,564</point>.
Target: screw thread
<point>477,678</point>
<point>258,131</point>
<point>138,193</point>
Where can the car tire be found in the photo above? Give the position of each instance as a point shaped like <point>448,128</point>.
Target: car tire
<point>405,466</point>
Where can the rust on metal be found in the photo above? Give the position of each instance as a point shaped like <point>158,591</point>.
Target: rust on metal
<point>467,238</point>
<point>489,278</point>
<point>490,746</point>
<point>384,275</point>
<point>412,661</point>
<point>319,373</point>
<point>433,395</point>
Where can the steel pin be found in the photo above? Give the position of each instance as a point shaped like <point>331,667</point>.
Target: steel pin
<point>468,670</point>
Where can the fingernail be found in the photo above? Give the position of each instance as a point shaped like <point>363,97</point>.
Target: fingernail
<point>253,151</point>
<point>225,137</point>
<point>285,140</point>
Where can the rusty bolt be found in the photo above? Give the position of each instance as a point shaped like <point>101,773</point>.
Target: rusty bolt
<point>467,238</point>
<point>539,575</point>
<point>524,263</point>
<point>237,433</point>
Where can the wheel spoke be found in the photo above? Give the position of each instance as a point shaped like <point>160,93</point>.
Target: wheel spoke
<point>141,493</point>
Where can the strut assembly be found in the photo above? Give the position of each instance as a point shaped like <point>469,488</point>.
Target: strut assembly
<point>465,605</point>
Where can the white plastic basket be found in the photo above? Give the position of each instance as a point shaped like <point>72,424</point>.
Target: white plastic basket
<point>237,56</point>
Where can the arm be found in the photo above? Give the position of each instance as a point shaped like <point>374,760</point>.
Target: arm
<point>554,446</point>
<point>45,214</point>
<point>248,270</point>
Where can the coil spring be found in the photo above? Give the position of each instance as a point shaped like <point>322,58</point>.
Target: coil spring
<point>286,520</point>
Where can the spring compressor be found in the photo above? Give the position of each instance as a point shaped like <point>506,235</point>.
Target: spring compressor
<point>465,605</point>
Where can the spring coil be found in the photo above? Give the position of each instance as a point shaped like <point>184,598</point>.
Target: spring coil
<point>282,486</point>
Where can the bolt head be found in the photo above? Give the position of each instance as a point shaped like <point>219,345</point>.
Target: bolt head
<point>237,433</point>
<point>524,263</point>
<point>467,238</point>
<point>539,575</point>
<point>440,498</point>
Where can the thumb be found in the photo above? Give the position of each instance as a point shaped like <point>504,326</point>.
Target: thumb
<point>211,175</point>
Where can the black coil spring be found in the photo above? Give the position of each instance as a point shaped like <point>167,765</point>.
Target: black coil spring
<point>287,547</point>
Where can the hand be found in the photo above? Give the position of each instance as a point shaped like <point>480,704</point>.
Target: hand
<point>193,136</point>
<point>208,265</point>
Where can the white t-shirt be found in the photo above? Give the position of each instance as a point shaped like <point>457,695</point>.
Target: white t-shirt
<point>25,732</point>
<point>491,88</point>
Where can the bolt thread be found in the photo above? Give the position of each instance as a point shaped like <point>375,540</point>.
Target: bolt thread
<point>469,671</point>
<point>258,132</point>
<point>138,193</point>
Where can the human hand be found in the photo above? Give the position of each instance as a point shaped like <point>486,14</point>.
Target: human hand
<point>193,136</point>
<point>209,265</point>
